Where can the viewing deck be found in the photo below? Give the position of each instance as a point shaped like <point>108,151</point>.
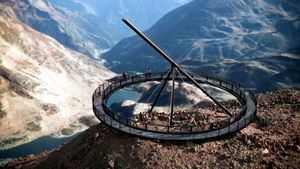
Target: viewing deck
<point>170,132</point>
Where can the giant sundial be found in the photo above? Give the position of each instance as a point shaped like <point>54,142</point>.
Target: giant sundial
<point>203,121</point>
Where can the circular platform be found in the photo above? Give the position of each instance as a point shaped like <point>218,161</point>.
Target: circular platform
<point>170,132</point>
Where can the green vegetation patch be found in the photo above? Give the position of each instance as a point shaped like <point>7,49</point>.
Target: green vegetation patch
<point>2,111</point>
<point>32,126</point>
<point>88,120</point>
<point>11,140</point>
<point>67,131</point>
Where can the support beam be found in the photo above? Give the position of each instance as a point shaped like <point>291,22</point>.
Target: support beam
<point>172,97</point>
<point>172,62</point>
<point>160,90</point>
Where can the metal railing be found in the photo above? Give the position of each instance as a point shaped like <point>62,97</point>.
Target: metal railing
<point>109,117</point>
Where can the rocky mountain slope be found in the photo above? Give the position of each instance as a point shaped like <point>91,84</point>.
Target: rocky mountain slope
<point>271,141</point>
<point>213,30</point>
<point>45,88</point>
<point>258,74</point>
<point>89,26</point>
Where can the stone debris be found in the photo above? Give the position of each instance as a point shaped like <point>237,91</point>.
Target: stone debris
<point>262,144</point>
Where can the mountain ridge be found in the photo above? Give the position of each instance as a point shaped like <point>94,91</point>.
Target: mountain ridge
<point>89,27</point>
<point>43,84</point>
<point>206,30</point>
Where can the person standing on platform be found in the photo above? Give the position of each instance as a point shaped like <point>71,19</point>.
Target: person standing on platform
<point>124,75</point>
<point>148,73</point>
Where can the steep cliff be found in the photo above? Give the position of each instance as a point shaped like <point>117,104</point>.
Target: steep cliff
<point>44,87</point>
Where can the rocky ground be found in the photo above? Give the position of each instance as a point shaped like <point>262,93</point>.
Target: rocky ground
<point>205,118</point>
<point>271,141</point>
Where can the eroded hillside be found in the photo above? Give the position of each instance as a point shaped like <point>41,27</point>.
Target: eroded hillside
<point>45,88</point>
